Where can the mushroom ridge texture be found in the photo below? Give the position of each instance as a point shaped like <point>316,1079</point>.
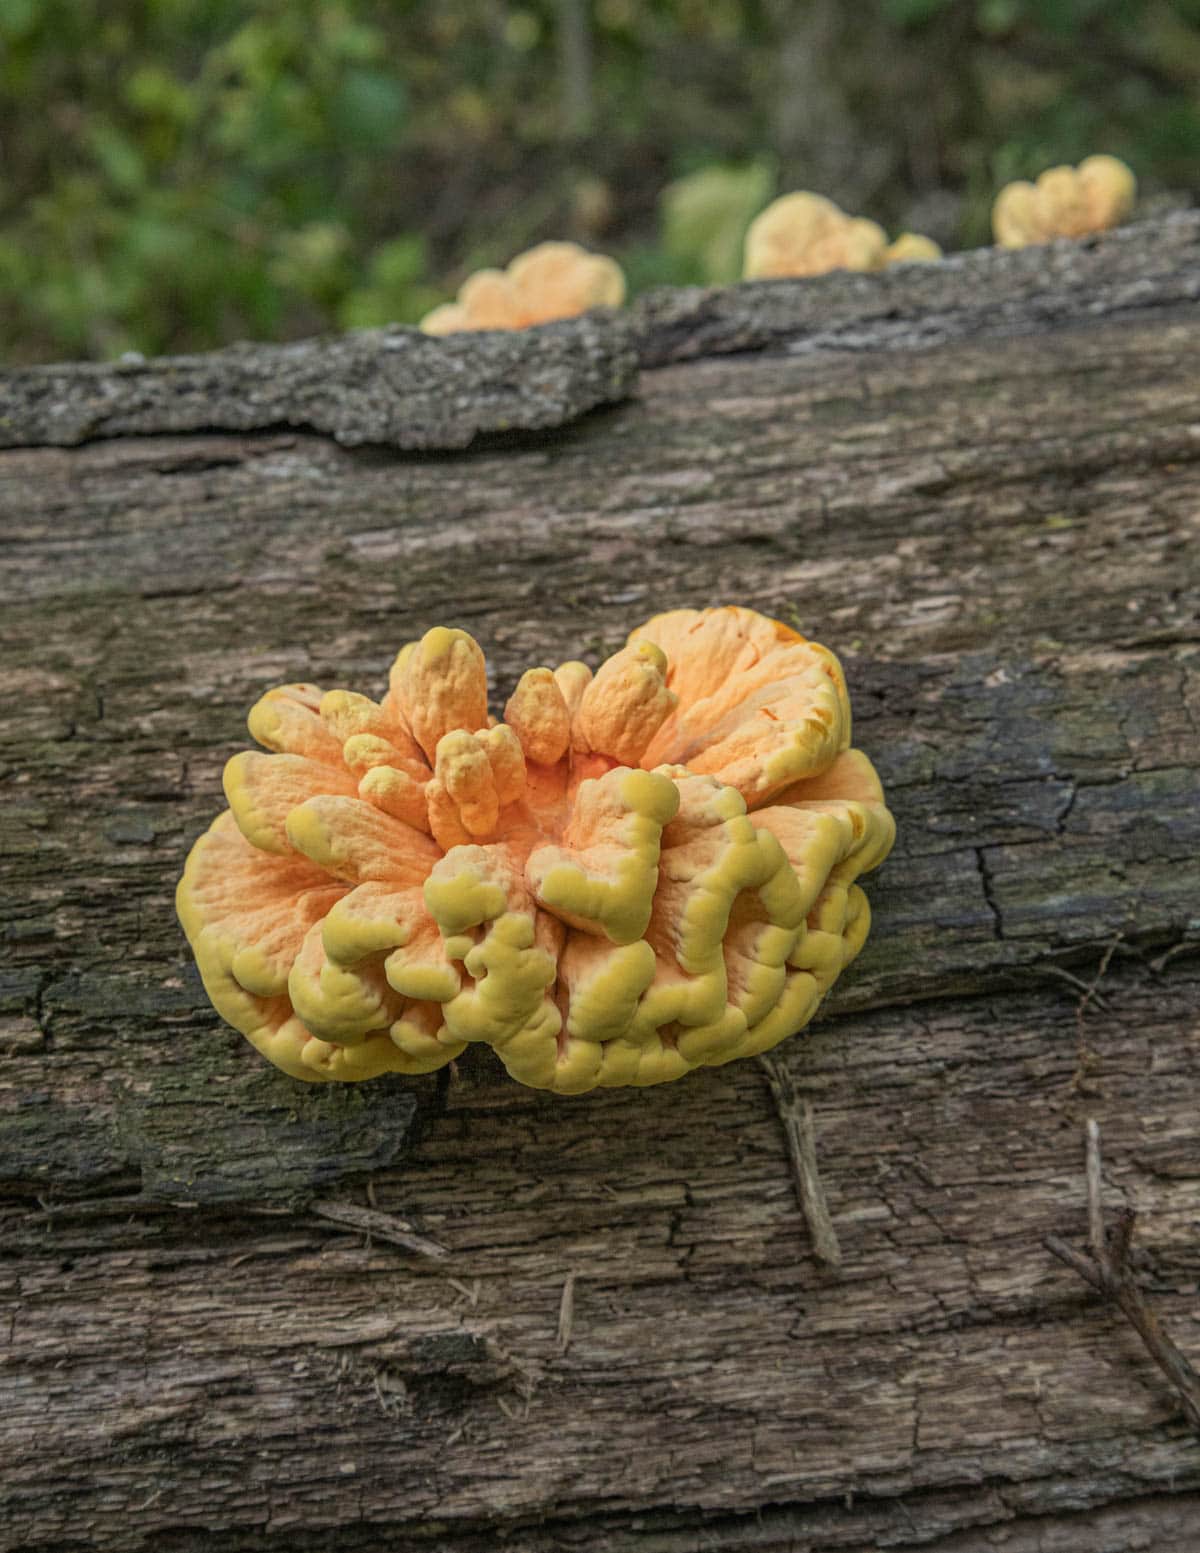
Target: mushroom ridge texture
<point>636,873</point>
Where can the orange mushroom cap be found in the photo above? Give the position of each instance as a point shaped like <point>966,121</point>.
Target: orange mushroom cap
<point>912,248</point>
<point>553,280</point>
<point>1064,202</point>
<point>806,234</point>
<point>639,873</point>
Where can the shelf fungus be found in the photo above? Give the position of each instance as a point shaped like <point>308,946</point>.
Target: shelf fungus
<point>1064,202</point>
<point>553,280</point>
<point>806,234</point>
<point>636,873</point>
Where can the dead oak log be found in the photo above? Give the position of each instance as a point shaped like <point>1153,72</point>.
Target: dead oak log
<point>995,523</point>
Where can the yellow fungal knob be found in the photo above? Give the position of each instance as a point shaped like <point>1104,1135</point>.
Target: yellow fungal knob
<point>538,714</point>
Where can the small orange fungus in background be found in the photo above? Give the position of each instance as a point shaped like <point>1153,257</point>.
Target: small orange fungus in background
<point>636,873</point>
<point>1064,202</point>
<point>553,280</point>
<point>807,234</point>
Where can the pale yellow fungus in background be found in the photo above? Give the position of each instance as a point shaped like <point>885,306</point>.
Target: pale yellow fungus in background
<point>912,248</point>
<point>807,234</point>
<point>635,874</point>
<point>553,280</point>
<point>1064,202</point>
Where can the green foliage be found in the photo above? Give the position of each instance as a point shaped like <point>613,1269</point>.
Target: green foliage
<point>193,174</point>
<point>179,173</point>
<point>914,13</point>
<point>705,216</point>
<point>395,290</point>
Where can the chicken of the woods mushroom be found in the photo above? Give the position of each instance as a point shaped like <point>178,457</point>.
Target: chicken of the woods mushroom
<point>1064,202</point>
<point>553,280</point>
<point>807,234</point>
<point>636,873</point>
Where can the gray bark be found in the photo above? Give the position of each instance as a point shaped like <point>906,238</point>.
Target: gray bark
<point>208,1342</point>
<point>394,386</point>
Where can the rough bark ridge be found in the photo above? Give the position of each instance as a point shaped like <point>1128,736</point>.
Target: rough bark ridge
<point>229,1321</point>
<point>392,386</point>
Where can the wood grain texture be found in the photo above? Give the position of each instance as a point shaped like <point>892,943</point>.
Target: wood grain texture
<point>998,534</point>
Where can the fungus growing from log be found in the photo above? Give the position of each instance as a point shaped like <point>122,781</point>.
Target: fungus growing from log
<point>807,234</point>
<point>912,248</point>
<point>636,873</point>
<point>553,280</point>
<point>1064,202</point>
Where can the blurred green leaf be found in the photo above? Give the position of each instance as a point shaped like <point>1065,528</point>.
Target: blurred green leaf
<point>914,13</point>
<point>368,109</point>
<point>705,216</point>
<point>119,158</point>
<point>397,290</point>
<point>18,18</point>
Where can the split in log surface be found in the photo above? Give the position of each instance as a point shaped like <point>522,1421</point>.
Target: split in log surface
<point>995,526</point>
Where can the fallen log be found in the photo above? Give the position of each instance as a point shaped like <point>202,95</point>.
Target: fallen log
<point>600,1322</point>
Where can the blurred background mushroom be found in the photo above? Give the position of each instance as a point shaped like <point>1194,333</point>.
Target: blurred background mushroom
<point>806,234</point>
<point>553,280</point>
<point>1064,202</point>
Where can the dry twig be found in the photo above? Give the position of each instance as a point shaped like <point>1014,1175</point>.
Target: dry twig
<point>1106,1269</point>
<point>795,1114</point>
<point>566,1313</point>
<point>384,1226</point>
<point>1089,994</point>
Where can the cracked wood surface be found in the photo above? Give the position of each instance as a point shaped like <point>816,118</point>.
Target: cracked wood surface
<point>998,535</point>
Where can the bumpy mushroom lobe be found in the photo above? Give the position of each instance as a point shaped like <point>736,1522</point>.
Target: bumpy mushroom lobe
<point>553,280</point>
<point>913,248</point>
<point>807,234</point>
<point>636,874</point>
<point>1064,202</point>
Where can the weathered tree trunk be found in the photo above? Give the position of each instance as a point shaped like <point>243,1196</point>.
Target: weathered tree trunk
<point>980,483</point>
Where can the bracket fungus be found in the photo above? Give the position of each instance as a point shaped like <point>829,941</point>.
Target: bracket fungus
<point>1064,202</point>
<point>806,234</point>
<point>636,873</point>
<point>553,280</point>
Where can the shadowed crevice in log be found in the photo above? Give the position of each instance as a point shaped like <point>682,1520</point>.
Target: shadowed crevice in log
<point>945,1522</point>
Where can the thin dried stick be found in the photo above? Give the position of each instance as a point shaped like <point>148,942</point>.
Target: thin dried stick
<point>566,1313</point>
<point>1089,991</point>
<point>1091,1133</point>
<point>384,1226</point>
<point>1090,994</point>
<point>1106,1269</point>
<point>796,1116</point>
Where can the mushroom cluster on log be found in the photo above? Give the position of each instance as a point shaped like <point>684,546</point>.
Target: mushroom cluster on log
<point>454,1312</point>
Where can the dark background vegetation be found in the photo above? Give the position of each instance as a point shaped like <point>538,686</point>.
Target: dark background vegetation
<point>175,174</point>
